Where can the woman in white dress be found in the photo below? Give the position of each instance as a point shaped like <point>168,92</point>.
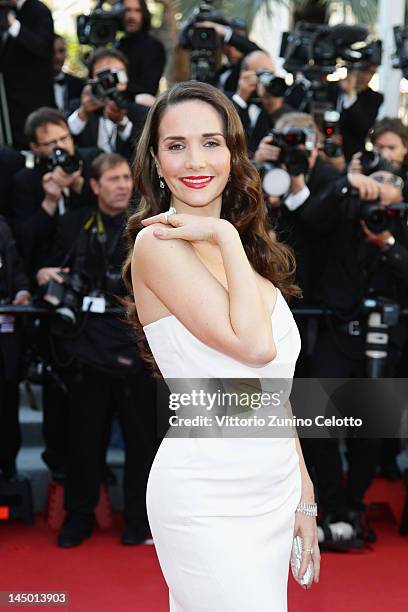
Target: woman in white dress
<point>209,282</point>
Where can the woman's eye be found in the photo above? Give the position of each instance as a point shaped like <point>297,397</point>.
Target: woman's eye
<point>212,143</point>
<point>176,147</point>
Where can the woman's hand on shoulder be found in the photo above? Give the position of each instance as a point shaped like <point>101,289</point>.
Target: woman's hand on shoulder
<point>190,227</point>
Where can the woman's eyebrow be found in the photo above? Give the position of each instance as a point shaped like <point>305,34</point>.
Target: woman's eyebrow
<point>183,137</point>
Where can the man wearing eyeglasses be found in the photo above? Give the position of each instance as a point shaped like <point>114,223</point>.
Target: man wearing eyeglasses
<point>42,193</point>
<point>108,116</point>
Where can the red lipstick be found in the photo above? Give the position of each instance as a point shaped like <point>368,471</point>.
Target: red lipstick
<point>196,182</point>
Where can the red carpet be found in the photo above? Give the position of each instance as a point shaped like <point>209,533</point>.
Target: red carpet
<point>104,576</point>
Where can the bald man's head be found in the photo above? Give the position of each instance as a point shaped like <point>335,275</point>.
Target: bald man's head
<point>258,60</point>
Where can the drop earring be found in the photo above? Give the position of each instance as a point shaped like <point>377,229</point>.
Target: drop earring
<point>161,183</point>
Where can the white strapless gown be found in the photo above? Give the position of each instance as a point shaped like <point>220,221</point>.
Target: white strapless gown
<point>222,510</point>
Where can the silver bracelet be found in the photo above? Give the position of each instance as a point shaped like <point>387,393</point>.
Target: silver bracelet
<point>309,509</point>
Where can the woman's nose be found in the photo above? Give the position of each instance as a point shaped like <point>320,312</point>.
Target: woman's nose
<point>195,159</point>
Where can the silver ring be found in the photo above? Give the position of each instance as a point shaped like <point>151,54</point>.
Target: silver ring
<point>309,550</point>
<point>171,211</point>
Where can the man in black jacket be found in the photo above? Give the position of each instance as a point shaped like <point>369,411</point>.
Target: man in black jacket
<point>107,374</point>
<point>26,63</point>
<point>14,289</point>
<point>112,124</point>
<point>40,196</point>
<point>258,109</point>
<point>145,54</point>
<point>289,213</point>
<point>358,105</point>
<point>359,263</point>
<point>67,87</point>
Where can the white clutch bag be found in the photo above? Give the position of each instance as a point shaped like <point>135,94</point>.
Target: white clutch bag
<point>295,562</point>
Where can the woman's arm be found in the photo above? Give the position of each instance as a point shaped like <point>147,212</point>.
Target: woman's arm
<point>305,526</point>
<point>235,322</point>
<point>307,484</point>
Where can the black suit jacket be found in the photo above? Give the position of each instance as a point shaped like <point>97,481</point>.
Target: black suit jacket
<point>25,62</point>
<point>10,162</point>
<point>73,91</point>
<point>147,58</point>
<point>89,135</point>
<point>357,120</point>
<point>34,228</point>
<point>12,274</point>
<point>263,124</point>
<point>298,229</point>
<point>350,265</point>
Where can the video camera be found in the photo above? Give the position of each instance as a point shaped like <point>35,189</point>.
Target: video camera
<point>202,43</point>
<point>104,87</point>
<point>320,47</point>
<point>100,27</point>
<point>295,145</point>
<point>5,7</point>
<point>313,51</point>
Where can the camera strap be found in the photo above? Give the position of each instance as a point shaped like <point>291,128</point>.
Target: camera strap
<point>108,247</point>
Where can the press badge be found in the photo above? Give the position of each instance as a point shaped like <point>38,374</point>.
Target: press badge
<point>6,324</point>
<point>93,303</point>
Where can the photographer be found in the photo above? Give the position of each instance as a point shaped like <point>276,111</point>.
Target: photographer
<point>367,257</point>
<point>26,62</point>
<point>389,138</point>
<point>103,370</point>
<point>257,109</point>
<point>67,88</point>
<point>358,105</point>
<point>145,54</point>
<point>108,116</point>
<point>14,287</point>
<point>309,179</point>
<point>58,182</point>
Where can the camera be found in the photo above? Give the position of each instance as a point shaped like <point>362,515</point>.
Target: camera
<point>371,161</point>
<point>293,159</point>
<point>104,86</point>
<point>332,138</point>
<point>202,43</point>
<point>66,297</point>
<point>319,47</point>
<point>58,157</point>
<point>378,217</point>
<point>100,27</point>
<point>275,86</point>
<point>313,51</point>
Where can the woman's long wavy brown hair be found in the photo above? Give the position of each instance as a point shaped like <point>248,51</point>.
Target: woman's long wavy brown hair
<point>242,201</point>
